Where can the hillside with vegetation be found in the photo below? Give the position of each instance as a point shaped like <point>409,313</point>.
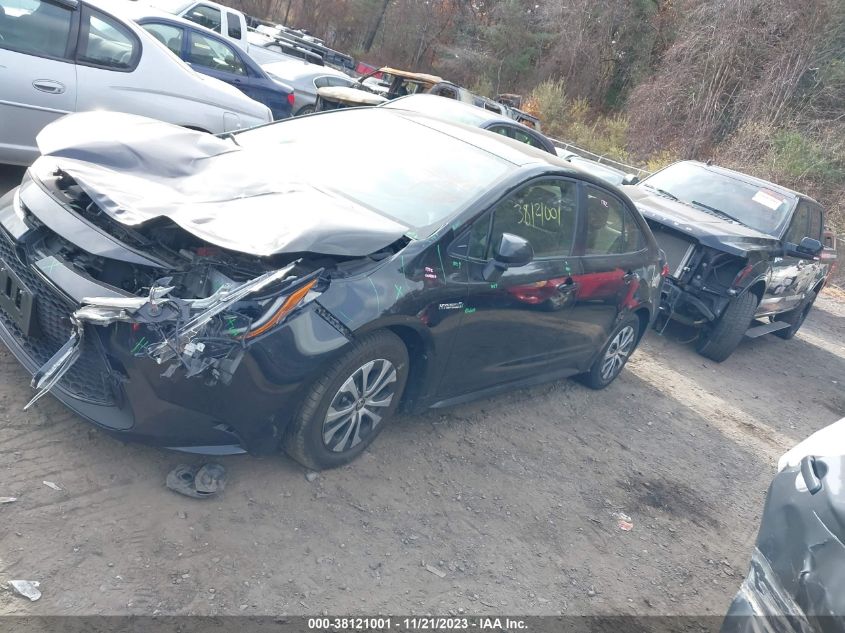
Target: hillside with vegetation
<point>758,85</point>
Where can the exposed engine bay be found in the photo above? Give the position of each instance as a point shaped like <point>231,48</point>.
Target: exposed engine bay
<point>201,316</point>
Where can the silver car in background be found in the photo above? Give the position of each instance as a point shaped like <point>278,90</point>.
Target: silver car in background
<point>61,56</point>
<point>306,79</point>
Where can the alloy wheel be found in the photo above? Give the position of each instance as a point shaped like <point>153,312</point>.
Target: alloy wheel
<point>356,409</point>
<point>617,353</point>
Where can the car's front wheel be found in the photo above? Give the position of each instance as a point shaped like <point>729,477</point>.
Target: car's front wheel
<point>348,407</point>
<point>718,341</point>
<point>615,353</point>
<point>795,317</point>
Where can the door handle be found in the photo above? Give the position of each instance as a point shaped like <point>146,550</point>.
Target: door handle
<point>49,86</point>
<point>568,285</point>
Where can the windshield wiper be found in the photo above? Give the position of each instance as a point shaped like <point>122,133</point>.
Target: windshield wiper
<point>717,211</point>
<point>663,192</point>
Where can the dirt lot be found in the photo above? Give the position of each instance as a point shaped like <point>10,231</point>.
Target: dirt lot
<point>512,500</point>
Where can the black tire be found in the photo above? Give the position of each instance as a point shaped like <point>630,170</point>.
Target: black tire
<point>718,341</point>
<point>795,317</point>
<point>620,345</point>
<point>306,109</point>
<point>304,438</point>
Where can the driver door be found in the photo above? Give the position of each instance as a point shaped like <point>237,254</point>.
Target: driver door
<point>792,277</point>
<point>518,327</point>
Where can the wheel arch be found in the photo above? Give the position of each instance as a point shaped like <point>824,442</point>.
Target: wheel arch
<point>419,348</point>
<point>758,289</point>
<point>644,315</point>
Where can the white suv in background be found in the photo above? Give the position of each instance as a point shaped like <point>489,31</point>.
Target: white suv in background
<point>60,56</point>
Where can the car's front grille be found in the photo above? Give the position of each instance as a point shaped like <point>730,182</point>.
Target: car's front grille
<point>677,248</point>
<point>87,379</point>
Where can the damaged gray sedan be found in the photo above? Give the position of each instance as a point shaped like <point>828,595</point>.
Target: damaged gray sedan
<point>268,289</point>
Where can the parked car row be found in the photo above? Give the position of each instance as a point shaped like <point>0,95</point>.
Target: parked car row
<point>65,56</point>
<point>352,280</point>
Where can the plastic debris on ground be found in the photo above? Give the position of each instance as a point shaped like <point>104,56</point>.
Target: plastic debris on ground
<point>7,500</point>
<point>52,485</point>
<point>624,522</point>
<point>198,482</point>
<point>26,588</point>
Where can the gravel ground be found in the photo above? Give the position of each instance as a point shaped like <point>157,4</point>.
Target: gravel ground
<point>507,505</point>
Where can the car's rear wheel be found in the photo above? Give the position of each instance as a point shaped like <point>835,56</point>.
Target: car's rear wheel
<point>347,408</point>
<point>615,353</point>
<point>718,341</point>
<point>795,317</point>
<point>306,109</point>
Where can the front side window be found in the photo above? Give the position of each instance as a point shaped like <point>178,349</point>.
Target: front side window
<point>214,54</point>
<point>34,27</point>
<point>234,26</point>
<point>611,228</point>
<point>543,213</point>
<point>106,43</point>
<point>206,16</point>
<point>170,36</point>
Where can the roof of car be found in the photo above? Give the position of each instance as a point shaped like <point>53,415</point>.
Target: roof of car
<point>344,94</point>
<point>473,115</point>
<point>396,72</point>
<point>294,67</point>
<point>139,11</point>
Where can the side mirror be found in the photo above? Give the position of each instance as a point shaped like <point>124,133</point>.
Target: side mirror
<point>512,251</point>
<point>809,248</point>
<point>630,179</point>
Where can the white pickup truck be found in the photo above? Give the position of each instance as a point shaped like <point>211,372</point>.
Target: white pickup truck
<point>221,19</point>
<point>231,24</point>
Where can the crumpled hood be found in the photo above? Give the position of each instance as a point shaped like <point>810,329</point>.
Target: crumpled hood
<point>137,169</point>
<point>708,228</point>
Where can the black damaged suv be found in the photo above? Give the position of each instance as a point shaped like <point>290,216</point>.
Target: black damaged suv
<point>743,253</point>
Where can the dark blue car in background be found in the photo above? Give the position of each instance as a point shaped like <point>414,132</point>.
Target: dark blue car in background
<point>210,54</point>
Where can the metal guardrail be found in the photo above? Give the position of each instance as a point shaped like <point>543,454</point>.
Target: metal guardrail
<point>600,158</point>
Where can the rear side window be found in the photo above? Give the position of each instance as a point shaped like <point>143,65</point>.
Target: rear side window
<point>168,35</point>
<point>106,43</point>
<point>34,27</point>
<point>214,54</point>
<point>611,227</point>
<point>206,16</point>
<point>234,26</point>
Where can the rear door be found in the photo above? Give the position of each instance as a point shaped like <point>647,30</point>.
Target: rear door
<point>220,60</point>
<point>614,258</point>
<point>37,73</point>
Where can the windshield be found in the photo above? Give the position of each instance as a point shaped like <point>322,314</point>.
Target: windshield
<point>760,208</point>
<point>399,168</point>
